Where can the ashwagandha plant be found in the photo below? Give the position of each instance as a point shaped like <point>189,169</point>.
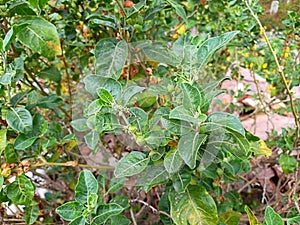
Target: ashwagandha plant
<point>150,91</point>
<point>185,147</point>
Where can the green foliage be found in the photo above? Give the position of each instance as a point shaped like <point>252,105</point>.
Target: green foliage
<point>287,163</point>
<point>131,82</point>
<point>270,217</point>
<point>86,209</point>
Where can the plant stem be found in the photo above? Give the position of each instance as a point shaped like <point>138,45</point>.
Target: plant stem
<point>281,73</point>
<point>132,216</point>
<point>45,164</point>
<point>154,210</point>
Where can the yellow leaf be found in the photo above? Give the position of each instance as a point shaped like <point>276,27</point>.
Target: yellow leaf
<point>181,30</point>
<point>71,144</point>
<point>175,36</point>
<point>260,148</point>
<point>153,63</point>
<point>252,218</point>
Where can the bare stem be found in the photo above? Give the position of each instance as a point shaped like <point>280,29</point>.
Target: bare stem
<point>67,164</point>
<point>154,210</point>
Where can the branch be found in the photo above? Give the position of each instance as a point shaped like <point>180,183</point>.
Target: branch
<point>71,164</point>
<point>154,210</point>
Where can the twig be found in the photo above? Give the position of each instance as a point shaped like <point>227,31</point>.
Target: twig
<point>132,216</point>
<point>45,164</point>
<point>247,184</point>
<point>264,199</point>
<point>154,210</point>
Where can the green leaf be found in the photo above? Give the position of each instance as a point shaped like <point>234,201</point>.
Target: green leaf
<point>180,113</point>
<point>252,218</point>
<point>116,184</point>
<point>22,142</point>
<point>10,154</point>
<point>288,163</point>
<point>145,100</point>
<point>173,161</point>
<point>40,36</point>
<point>230,217</point>
<point>108,122</point>
<point>188,147</point>
<point>118,219</point>
<point>294,220</point>
<point>104,212</point>
<point>6,78</point>
<point>49,102</point>
<point>11,34</point>
<point>153,175</point>
<point>181,181</point>
<point>227,121</point>
<point>40,125</point>
<point>131,164</point>
<point>114,87</point>
<point>2,140</point>
<point>102,180</point>
<point>159,52</point>
<point>17,98</point>
<point>50,73</point>
<point>104,95</point>
<point>195,206</point>
<point>111,55</point>
<point>129,92</point>
<point>21,191</point>
<point>156,138</point>
<point>38,3</point>
<point>70,210</point>
<point>191,97</point>
<point>150,13</point>
<point>92,200</point>
<point>121,200</point>
<point>93,82</point>
<point>104,23</point>
<point>178,9</point>
<point>138,117</point>
<point>243,143</point>
<point>19,119</point>
<point>92,139</point>
<point>94,107</point>
<point>31,213</point>
<point>272,218</point>
<point>164,205</point>
<point>210,46</point>
<point>157,154</point>
<point>19,69</point>
<point>86,185</point>
<point>176,126</point>
<point>78,221</point>
<point>21,8</point>
<point>80,125</point>
<point>1,181</point>
<point>186,51</point>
